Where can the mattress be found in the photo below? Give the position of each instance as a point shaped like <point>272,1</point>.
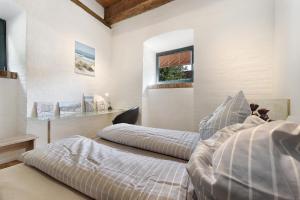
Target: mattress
<point>24,182</point>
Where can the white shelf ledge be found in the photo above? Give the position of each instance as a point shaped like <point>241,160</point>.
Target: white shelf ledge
<point>77,115</point>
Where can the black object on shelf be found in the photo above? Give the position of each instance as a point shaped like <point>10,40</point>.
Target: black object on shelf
<point>128,117</point>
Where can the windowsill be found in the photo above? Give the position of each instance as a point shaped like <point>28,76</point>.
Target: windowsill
<point>8,75</point>
<point>171,85</point>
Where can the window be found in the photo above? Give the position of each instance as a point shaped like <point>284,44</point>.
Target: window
<point>175,66</point>
<point>3,61</point>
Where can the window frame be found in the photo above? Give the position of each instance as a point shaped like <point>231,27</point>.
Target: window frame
<point>188,48</point>
<point>4,68</point>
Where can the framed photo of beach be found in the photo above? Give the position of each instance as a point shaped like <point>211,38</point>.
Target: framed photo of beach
<point>84,59</point>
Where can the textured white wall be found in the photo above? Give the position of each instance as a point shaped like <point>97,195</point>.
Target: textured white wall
<point>13,98</point>
<point>169,108</point>
<point>41,49</point>
<point>50,51</point>
<point>233,50</point>
<point>8,107</point>
<point>166,108</point>
<point>16,51</point>
<point>287,48</point>
<point>9,114</point>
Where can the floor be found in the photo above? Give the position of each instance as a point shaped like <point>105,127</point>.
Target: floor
<point>12,163</point>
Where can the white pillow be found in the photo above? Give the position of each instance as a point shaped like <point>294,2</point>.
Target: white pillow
<point>232,111</point>
<point>200,165</point>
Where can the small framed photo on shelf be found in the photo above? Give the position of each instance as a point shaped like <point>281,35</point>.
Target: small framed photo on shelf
<point>89,104</point>
<point>69,108</point>
<point>44,109</point>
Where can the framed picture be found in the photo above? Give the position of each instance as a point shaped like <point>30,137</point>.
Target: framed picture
<point>84,59</point>
<point>45,109</point>
<point>89,104</point>
<point>69,108</point>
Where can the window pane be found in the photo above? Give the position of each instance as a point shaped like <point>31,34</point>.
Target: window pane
<point>176,65</point>
<point>2,44</point>
<point>176,59</point>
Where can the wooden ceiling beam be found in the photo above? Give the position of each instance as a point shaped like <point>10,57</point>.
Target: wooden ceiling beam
<point>128,8</point>
<point>107,3</point>
<point>88,10</point>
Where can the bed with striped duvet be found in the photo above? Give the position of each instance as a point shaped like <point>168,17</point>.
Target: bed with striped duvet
<point>102,172</point>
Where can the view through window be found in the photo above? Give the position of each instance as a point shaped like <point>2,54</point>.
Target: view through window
<point>3,62</point>
<point>175,66</point>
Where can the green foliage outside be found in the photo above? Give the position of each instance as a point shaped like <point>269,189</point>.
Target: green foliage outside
<point>172,73</point>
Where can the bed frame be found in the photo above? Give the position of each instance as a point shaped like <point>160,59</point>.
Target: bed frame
<point>279,108</point>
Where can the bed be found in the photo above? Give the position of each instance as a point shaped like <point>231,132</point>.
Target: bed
<point>133,163</point>
<point>25,182</point>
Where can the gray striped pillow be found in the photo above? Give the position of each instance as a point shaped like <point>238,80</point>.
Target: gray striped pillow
<point>232,111</point>
<point>265,160</point>
<point>179,144</point>
<point>200,165</point>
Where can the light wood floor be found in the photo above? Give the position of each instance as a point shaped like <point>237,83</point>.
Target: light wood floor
<point>12,163</point>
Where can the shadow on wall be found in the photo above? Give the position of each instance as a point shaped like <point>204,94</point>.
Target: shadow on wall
<point>166,108</point>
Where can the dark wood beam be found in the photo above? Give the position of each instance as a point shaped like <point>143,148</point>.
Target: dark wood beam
<point>88,10</point>
<point>129,8</point>
<point>107,3</point>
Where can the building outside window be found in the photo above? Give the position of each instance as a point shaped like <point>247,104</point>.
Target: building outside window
<point>175,66</point>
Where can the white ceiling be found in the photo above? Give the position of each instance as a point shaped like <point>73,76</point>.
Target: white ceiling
<point>171,40</point>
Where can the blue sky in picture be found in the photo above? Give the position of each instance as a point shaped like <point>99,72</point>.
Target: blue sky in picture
<point>85,50</point>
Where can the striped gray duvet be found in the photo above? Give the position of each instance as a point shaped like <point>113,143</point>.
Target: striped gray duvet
<point>107,173</point>
<point>258,163</point>
<point>179,144</point>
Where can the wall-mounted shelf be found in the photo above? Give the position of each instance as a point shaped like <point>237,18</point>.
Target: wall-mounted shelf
<point>8,75</point>
<point>51,129</point>
<point>77,115</point>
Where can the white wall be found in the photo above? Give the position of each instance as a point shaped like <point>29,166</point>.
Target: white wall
<point>166,108</point>
<point>15,101</point>
<point>8,114</point>
<point>233,50</point>
<point>13,98</point>
<point>16,52</point>
<point>8,107</point>
<point>287,48</point>
<point>41,38</point>
<point>50,51</point>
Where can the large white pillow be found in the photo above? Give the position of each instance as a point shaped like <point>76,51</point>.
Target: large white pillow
<point>248,161</point>
<point>232,111</point>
